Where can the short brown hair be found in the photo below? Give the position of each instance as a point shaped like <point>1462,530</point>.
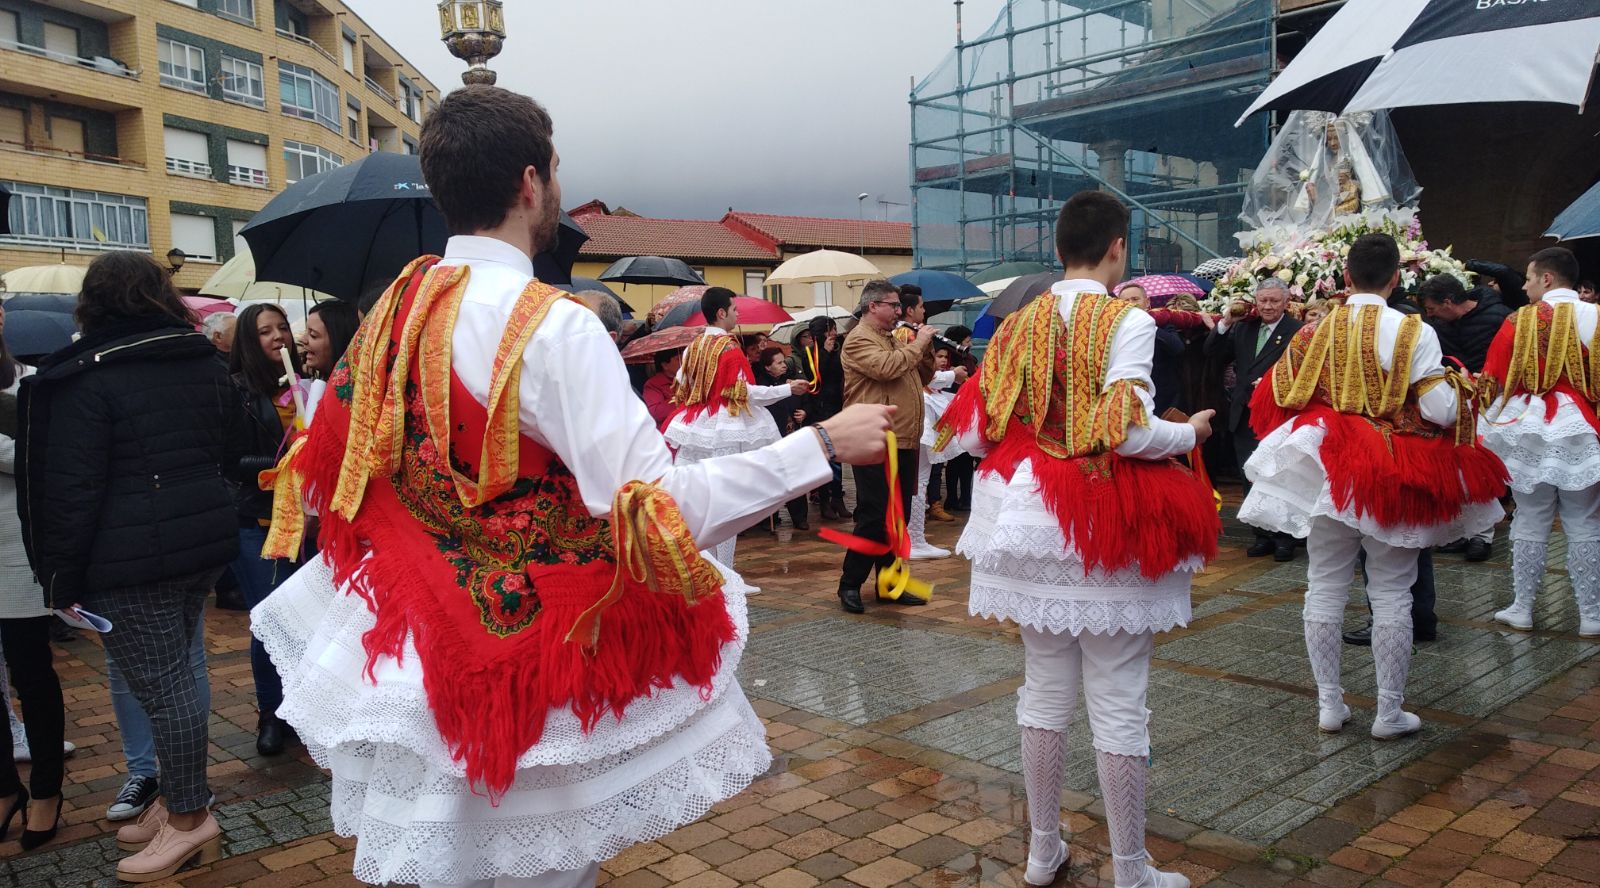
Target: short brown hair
<point>1090,222</point>
<point>475,147</point>
<point>1558,262</point>
<point>124,284</point>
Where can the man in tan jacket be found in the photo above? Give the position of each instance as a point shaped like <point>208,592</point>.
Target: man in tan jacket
<point>880,370</point>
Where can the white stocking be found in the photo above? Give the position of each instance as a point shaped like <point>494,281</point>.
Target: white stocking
<point>1324,645</point>
<point>1122,787</point>
<point>1527,571</point>
<point>724,551</point>
<point>917,521</point>
<point>1391,656</point>
<point>1044,754</point>
<point>1583,566</point>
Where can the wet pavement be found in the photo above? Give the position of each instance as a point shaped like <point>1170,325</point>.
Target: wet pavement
<point>898,759</point>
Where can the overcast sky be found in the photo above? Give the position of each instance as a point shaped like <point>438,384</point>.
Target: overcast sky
<point>683,108</point>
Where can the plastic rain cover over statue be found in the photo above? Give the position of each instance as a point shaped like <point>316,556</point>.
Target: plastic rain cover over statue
<point>1320,168</point>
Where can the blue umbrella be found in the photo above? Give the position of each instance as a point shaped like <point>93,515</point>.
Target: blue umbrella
<point>31,333</point>
<point>59,303</point>
<point>1581,219</point>
<point>939,288</point>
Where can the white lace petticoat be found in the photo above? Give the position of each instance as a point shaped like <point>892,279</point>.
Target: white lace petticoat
<point>1563,452</point>
<point>1290,488</point>
<point>1024,570</point>
<point>577,798</point>
<point>721,434</point>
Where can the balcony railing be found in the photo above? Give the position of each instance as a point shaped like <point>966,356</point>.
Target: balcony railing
<point>178,166</point>
<point>99,63</point>
<point>383,93</point>
<point>307,41</point>
<point>52,151</point>
<point>239,175</point>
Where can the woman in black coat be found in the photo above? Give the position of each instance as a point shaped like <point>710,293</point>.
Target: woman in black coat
<point>268,411</point>
<point>122,441</point>
<point>791,413</point>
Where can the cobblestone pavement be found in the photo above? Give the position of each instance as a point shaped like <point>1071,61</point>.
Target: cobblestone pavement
<point>897,752</point>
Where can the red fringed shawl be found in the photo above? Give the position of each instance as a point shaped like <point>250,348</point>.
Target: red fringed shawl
<point>1042,396</point>
<point>716,376</point>
<point>1538,352</point>
<point>473,540</point>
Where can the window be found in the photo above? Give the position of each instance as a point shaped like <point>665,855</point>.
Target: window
<point>822,294</point>
<point>352,121</point>
<point>247,164</point>
<point>8,27</point>
<point>306,94</point>
<point>241,82</point>
<point>349,51</point>
<point>239,245</point>
<point>243,10</point>
<point>196,236</point>
<point>295,23</point>
<point>60,40</point>
<point>182,66</point>
<point>301,160</point>
<point>410,146</point>
<point>755,283</point>
<point>66,134</point>
<point>188,153</point>
<point>44,214</point>
<point>13,125</point>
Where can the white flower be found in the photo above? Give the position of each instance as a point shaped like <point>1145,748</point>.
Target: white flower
<point>1285,275</point>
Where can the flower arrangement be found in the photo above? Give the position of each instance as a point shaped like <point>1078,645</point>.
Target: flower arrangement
<point>1312,264</point>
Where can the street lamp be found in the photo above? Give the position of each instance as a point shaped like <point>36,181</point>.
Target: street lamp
<point>475,31</point>
<point>861,220</point>
<point>176,258</point>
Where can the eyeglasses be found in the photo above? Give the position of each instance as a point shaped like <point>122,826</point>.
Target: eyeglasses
<point>881,302</point>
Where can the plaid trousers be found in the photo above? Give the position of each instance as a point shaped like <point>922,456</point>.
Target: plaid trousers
<point>151,627</point>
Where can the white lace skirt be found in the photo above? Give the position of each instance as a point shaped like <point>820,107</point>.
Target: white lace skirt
<point>1024,570</point>
<point>1290,488</point>
<point>721,434</point>
<point>934,405</point>
<point>577,798</point>
<point>1563,452</point>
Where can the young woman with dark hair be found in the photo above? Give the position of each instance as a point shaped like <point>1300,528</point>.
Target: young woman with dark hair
<point>268,410</point>
<point>329,328</point>
<point>121,446</point>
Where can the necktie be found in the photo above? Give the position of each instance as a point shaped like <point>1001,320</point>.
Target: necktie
<point>1261,337</point>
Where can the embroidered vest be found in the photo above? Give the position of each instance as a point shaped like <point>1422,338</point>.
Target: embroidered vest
<point>1547,351</point>
<point>715,376</point>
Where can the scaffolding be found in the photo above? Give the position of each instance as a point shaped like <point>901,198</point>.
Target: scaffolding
<point>1135,97</point>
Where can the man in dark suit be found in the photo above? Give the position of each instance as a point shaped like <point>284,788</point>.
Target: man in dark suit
<point>1254,344</point>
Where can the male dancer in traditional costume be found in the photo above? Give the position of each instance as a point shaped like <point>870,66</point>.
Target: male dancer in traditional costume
<point>1367,443</point>
<point>1065,538</point>
<point>509,653</point>
<point>1541,381</point>
<point>717,405</point>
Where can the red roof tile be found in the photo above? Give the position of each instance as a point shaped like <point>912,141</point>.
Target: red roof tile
<point>616,236</point>
<point>808,231</point>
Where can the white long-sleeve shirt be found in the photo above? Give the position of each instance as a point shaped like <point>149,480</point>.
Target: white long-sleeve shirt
<point>1132,353</point>
<point>576,401</point>
<point>1427,358</point>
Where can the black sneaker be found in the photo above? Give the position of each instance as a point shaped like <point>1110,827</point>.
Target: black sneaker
<point>136,795</point>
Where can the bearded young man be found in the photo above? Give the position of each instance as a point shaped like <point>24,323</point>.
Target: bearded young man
<point>509,653</point>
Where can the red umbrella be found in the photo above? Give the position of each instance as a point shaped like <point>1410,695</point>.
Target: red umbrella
<point>642,349</point>
<point>673,300</point>
<point>204,306</point>
<point>751,311</point>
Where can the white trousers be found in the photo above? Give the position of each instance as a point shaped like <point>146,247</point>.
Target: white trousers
<point>1579,511</point>
<point>1333,548</point>
<point>1114,670</point>
<point>578,878</point>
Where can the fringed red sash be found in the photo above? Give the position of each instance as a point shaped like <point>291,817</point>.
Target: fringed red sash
<point>716,377</point>
<point>489,594</point>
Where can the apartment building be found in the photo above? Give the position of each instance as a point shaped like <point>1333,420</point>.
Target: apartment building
<point>161,124</point>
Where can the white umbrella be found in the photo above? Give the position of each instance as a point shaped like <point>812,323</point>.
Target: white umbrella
<point>236,279</point>
<point>825,311</point>
<point>823,265</point>
<point>1376,54</point>
<point>45,279</point>
<point>993,288</point>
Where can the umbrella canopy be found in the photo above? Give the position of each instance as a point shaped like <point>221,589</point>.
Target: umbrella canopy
<point>1162,287</point>
<point>670,339</point>
<point>33,334</point>
<point>672,300</point>
<point>554,266</point>
<point>202,306</point>
<point>1214,269</point>
<point>1008,270</point>
<point>940,289</point>
<point>582,284</point>
<point>751,311</point>
<point>1397,53</point>
<point>822,311</point>
<point>995,287</point>
<point>651,270</point>
<point>5,210</point>
<point>1020,293</point>
<point>60,303</point>
<point>1581,219</point>
<point>45,279</point>
<point>820,266</point>
<point>348,229</point>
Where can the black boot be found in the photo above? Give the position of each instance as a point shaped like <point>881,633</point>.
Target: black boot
<point>270,735</point>
<point>850,600</point>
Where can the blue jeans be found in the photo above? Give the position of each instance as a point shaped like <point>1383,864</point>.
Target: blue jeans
<point>257,578</point>
<point>138,744</point>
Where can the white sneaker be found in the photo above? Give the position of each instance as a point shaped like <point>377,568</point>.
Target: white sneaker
<point>1515,617</point>
<point>928,550</point>
<point>751,590</point>
<point>1403,725</point>
<point>1154,878</point>
<point>1331,719</point>
<point>1588,628</point>
<point>1044,872</point>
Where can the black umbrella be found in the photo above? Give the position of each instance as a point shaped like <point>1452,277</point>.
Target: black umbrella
<point>32,334</point>
<point>5,210</point>
<point>554,266</point>
<point>652,270</point>
<point>59,303</point>
<point>1020,292</point>
<point>580,284</point>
